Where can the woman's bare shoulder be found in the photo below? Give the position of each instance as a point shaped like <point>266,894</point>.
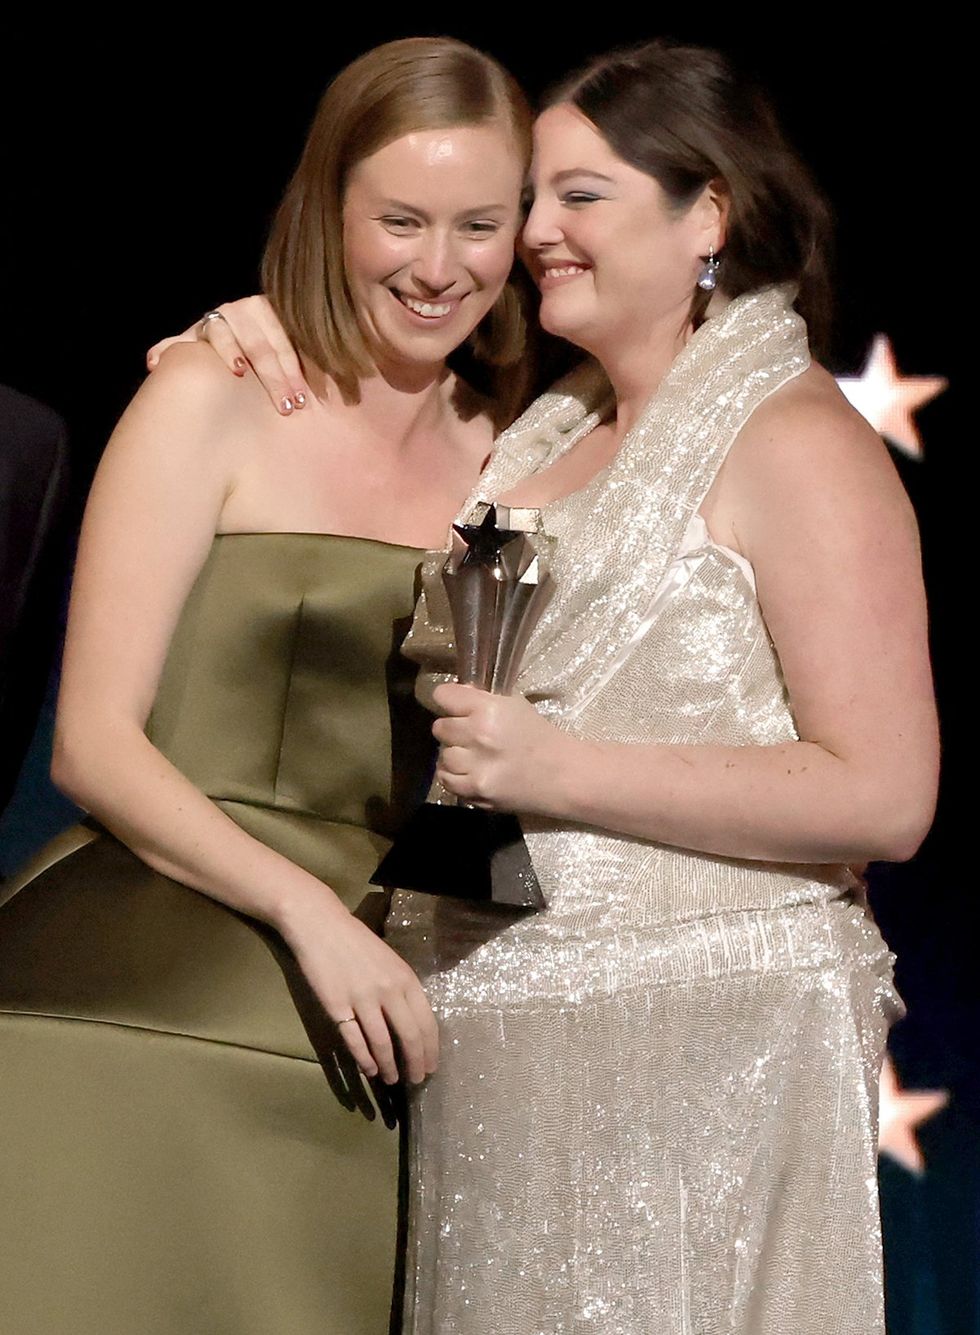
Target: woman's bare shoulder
<point>190,373</point>
<point>192,404</point>
<point>808,427</point>
<point>804,456</point>
<point>807,409</point>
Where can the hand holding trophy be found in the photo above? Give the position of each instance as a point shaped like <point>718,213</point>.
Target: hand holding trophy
<point>497,581</point>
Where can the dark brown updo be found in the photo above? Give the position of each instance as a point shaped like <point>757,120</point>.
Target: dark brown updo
<point>684,116</point>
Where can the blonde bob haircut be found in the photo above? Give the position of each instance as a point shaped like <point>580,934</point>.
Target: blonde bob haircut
<point>419,83</point>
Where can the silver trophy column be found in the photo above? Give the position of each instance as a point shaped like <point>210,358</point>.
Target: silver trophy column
<point>497,582</point>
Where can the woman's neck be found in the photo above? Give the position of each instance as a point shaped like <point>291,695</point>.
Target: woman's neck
<point>398,404</point>
<point>636,367</point>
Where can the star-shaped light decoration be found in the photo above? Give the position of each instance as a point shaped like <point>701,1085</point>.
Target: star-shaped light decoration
<point>485,541</point>
<point>888,399</point>
<point>900,1111</point>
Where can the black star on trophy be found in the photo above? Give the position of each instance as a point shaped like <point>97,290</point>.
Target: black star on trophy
<point>497,582</point>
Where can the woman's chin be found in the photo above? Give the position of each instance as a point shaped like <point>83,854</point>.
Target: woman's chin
<point>558,316</point>
<point>552,323</point>
<point>572,331</point>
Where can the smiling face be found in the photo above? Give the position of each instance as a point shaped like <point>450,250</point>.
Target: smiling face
<point>430,222</point>
<point>611,254</point>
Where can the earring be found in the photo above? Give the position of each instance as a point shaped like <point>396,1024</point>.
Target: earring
<point>708,277</point>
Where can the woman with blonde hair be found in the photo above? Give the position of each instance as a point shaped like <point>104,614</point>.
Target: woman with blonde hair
<point>177,980</point>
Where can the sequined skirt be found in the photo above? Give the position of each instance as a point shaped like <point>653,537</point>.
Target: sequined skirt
<point>664,1132</point>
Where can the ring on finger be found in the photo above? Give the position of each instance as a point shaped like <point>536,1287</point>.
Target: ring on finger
<point>206,319</point>
<point>348,1019</point>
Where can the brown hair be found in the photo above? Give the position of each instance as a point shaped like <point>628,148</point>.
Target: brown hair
<point>685,117</point>
<point>419,83</point>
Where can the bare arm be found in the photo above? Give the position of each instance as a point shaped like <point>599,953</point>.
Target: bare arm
<point>249,334</point>
<point>155,505</point>
<point>819,511</point>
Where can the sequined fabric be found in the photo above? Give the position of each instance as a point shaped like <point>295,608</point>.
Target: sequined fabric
<point>655,1112</point>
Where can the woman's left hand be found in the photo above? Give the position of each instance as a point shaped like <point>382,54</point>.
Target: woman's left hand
<point>496,751</point>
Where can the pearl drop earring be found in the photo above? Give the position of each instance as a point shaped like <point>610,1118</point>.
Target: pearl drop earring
<point>708,277</point>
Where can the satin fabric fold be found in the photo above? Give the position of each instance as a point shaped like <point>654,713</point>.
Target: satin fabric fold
<point>185,1147</point>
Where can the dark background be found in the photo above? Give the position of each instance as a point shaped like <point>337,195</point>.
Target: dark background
<point>140,169</point>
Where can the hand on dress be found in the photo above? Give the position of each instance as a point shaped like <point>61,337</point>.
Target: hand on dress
<point>366,989</point>
<point>249,334</point>
<point>496,751</point>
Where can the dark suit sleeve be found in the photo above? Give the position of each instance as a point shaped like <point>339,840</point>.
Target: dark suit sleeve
<point>33,566</point>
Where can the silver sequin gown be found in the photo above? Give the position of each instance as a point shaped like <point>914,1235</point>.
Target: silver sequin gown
<point>655,1112</point>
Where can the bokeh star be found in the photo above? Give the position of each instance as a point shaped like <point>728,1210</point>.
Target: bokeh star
<point>900,1111</point>
<point>888,399</point>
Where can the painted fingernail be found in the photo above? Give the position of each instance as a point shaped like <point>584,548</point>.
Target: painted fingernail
<point>299,398</point>
<point>285,406</point>
<point>239,366</point>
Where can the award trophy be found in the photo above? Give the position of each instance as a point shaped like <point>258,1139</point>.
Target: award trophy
<point>497,581</point>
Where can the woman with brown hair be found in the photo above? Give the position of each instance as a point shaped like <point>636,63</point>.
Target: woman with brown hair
<point>731,704</point>
<point>177,982</point>
<point>656,1106</point>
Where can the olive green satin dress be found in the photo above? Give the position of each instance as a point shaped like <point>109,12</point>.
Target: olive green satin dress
<point>183,1148</point>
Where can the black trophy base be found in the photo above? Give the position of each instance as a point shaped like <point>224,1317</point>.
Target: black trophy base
<point>465,853</point>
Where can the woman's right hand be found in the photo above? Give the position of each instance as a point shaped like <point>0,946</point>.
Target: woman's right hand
<point>249,334</point>
<point>355,974</point>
